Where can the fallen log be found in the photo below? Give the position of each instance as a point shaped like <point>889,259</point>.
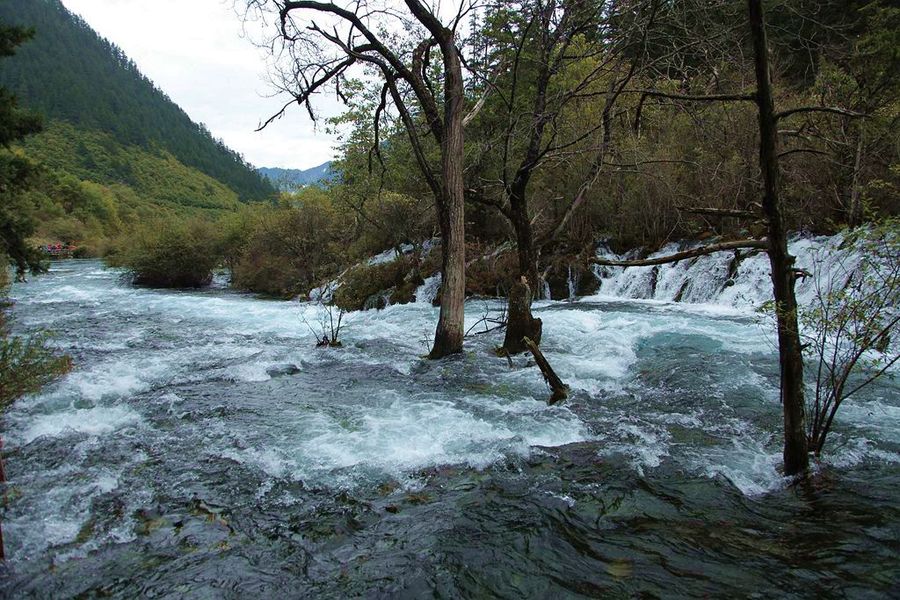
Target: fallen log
<point>719,212</point>
<point>560,391</point>
<point>701,251</point>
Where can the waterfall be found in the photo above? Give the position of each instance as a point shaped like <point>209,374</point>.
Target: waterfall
<point>545,291</point>
<point>572,282</point>
<point>740,280</point>
<point>427,292</point>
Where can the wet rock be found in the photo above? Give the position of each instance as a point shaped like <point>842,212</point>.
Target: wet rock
<point>283,370</point>
<point>568,279</point>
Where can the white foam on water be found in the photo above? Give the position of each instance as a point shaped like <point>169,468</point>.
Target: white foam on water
<point>197,337</point>
<point>856,451</point>
<point>67,294</point>
<point>96,421</point>
<point>592,350</point>
<point>645,444</point>
<point>705,279</point>
<point>752,468</point>
<point>249,372</point>
<point>875,415</point>
<point>397,435</point>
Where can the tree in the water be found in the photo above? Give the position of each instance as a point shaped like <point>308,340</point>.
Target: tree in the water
<point>771,212</point>
<point>545,61</point>
<point>324,41</point>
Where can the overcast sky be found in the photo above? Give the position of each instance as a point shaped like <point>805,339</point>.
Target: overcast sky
<point>196,51</point>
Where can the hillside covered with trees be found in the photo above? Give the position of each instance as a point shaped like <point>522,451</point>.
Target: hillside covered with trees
<point>69,73</point>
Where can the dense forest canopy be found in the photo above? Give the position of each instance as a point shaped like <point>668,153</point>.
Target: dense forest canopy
<point>663,154</point>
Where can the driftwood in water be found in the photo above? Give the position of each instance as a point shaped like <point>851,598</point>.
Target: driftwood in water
<point>560,391</point>
<point>701,251</point>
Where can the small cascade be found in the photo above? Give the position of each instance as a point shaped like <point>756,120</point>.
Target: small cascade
<point>325,292</point>
<point>427,292</point>
<point>739,279</point>
<point>572,282</point>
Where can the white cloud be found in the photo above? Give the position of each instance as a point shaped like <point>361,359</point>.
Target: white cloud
<point>198,53</point>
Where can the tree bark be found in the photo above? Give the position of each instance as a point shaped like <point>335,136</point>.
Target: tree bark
<point>448,337</point>
<point>520,323</point>
<point>796,455</point>
<point>855,210</point>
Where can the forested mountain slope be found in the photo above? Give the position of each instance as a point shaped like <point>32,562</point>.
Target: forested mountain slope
<point>154,174</point>
<point>69,73</point>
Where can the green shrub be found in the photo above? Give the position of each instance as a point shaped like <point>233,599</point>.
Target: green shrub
<point>26,363</point>
<point>169,254</point>
<point>291,248</point>
<point>364,286</point>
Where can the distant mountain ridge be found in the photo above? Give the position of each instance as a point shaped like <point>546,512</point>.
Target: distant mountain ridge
<point>69,73</point>
<point>289,180</point>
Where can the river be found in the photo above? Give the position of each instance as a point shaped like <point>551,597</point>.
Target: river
<point>203,447</point>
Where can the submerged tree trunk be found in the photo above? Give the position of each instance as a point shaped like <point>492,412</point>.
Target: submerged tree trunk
<point>796,456</point>
<point>520,322</point>
<point>448,337</point>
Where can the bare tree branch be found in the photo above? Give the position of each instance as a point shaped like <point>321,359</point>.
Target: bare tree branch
<point>694,252</point>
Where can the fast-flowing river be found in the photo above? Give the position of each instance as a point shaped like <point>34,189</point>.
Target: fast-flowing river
<point>203,447</point>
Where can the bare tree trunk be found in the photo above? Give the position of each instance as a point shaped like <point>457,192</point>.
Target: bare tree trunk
<point>855,210</point>
<point>796,455</point>
<point>520,322</point>
<point>448,337</point>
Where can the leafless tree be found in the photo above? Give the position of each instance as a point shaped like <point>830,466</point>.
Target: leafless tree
<point>323,41</point>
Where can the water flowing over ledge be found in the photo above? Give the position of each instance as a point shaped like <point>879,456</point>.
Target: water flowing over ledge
<point>740,280</point>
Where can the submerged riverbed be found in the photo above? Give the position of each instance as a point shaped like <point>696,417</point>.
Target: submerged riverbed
<point>203,447</point>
